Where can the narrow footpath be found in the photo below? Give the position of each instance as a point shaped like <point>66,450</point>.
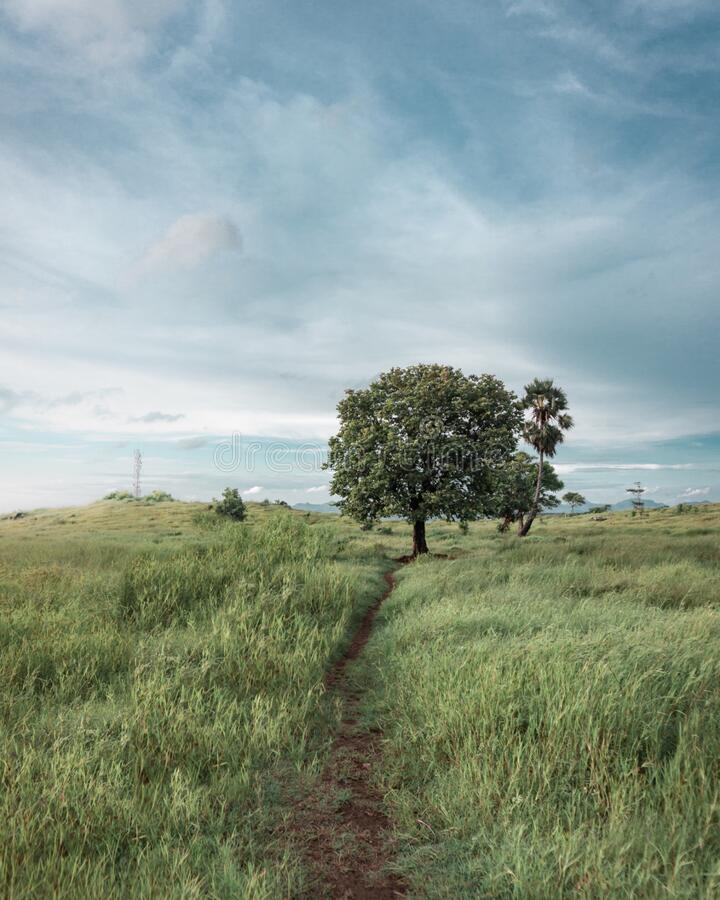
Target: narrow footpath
<point>343,825</point>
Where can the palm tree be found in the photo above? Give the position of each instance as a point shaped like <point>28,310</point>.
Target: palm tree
<point>544,430</point>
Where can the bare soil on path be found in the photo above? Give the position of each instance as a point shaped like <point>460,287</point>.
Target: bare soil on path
<point>342,824</point>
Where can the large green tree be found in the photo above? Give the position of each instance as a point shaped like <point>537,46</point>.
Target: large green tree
<point>544,430</point>
<point>423,442</point>
<point>518,491</point>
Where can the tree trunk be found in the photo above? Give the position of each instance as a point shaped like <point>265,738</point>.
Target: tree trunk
<point>527,524</point>
<point>419,542</point>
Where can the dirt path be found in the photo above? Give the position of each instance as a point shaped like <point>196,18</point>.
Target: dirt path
<point>343,825</point>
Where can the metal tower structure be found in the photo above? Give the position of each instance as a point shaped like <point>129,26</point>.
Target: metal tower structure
<point>137,469</point>
<point>637,501</point>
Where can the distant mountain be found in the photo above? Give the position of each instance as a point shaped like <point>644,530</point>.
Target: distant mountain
<point>614,507</point>
<point>317,507</point>
<point>648,504</point>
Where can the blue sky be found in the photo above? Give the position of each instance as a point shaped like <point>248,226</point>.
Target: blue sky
<point>216,216</point>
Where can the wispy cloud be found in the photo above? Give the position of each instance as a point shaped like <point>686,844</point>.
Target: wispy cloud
<point>9,399</point>
<point>106,31</point>
<point>192,443</point>
<point>190,241</point>
<point>569,468</point>
<point>689,493</point>
<point>251,491</point>
<point>157,416</point>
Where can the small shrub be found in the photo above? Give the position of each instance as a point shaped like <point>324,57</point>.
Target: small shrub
<point>119,495</point>
<point>231,506</point>
<point>159,497</point>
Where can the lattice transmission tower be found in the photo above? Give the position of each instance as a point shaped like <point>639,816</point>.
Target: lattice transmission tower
<point>637,490</point>
<point>137,469</point>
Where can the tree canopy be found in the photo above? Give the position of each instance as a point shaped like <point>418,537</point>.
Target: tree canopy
<point>544,430</point>
<point>573,499</point>
<point>423,442</point>
<point>231,506</point>
<point>518,491</point>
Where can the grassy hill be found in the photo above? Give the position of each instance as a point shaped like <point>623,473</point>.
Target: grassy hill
<point>160,680</point>
<point>550,708</point>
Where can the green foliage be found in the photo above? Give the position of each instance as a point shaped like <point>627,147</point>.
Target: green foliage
<point>231,506</point>
<point>517,489</point>
<point>573,499</point>
<point>544,430</point>
<point>158,497</point>
<point>422,442</point>
<point>546,404</point>
<point>153,497</point>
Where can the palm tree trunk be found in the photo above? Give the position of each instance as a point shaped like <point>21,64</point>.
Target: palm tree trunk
<point>526,526</point>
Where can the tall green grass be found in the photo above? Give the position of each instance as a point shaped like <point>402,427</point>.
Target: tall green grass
<point>155,703</point>
<point>551,711</point>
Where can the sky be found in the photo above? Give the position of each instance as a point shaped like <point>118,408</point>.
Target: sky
<point>217,216</point>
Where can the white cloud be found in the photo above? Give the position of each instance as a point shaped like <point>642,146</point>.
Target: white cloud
<point>106,31</point>
<point>695,492</point>
<point>317,490</point>
<point>569,468</point>
<point>253,490</point>
<point>569,83</point>
<point>668,11</point>
<point>531,7</point>
<point>158,416</point>
<point>190,241</point>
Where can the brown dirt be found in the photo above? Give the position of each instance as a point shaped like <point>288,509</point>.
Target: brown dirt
<point>342,825</point>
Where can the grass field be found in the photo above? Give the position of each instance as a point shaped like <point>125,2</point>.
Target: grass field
<point>161,681</point>
<point>550,707</point>
<point>551,710</point>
